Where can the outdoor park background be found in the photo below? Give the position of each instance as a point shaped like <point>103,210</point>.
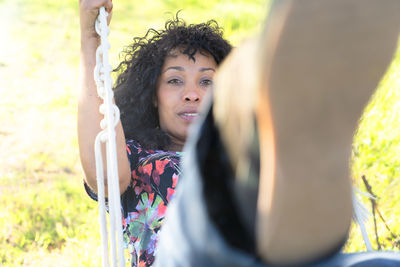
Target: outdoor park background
<point>46,219</point>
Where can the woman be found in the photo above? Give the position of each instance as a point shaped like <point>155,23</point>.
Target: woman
<point>161,84</point>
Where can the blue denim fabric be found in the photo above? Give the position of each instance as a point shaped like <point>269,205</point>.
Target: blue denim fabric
<point>365,259</point>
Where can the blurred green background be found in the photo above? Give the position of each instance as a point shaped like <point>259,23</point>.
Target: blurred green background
<point>46,218</point>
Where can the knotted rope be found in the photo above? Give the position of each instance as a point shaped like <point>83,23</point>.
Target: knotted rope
<point>102,76</point>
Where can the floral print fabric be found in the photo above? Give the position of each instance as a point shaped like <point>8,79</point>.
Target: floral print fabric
<point>155,174</point>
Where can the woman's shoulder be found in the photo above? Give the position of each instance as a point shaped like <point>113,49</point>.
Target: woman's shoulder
<point>139,154</point>
<point>133,147</point>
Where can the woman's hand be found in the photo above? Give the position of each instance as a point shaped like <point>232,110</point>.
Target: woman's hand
<point>88,11</point>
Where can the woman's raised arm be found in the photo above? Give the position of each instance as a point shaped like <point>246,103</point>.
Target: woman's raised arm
<point>89,116</point>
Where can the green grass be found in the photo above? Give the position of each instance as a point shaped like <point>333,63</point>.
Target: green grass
<point>376,155</point>
<point>46,218</point>
<point>43,214</point>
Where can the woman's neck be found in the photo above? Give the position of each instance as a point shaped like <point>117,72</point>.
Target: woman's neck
<point>175,147</point>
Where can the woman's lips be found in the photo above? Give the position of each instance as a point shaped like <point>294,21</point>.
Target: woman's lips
<point>189,116</point>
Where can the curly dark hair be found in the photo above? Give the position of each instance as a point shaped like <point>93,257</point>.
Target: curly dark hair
<point>138,73</point>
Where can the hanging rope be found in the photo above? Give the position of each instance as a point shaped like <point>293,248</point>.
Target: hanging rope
<point>102,76</point>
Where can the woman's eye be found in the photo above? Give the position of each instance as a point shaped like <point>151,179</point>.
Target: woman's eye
<point>206,82</point>
<point>174,81</point>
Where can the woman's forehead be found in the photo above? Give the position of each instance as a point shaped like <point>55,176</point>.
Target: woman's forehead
<point>183,60</point>
<point>188,52</point>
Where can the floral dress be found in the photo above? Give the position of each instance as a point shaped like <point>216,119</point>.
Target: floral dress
<point>155,174</point>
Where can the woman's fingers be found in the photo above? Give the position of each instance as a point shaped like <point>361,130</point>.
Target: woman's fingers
<point>95,4</point>
<point>89,10</point>
<point>109,8</point>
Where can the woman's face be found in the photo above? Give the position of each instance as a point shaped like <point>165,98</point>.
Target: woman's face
<point>181,87</point>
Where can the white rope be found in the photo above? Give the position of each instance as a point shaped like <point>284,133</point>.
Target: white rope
<point>361,216</point>
<point>102,76</point>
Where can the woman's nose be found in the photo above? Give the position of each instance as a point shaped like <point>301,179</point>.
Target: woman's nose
<point>192,94</point>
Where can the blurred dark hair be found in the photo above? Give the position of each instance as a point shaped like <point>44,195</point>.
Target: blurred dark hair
<point>138,73</point>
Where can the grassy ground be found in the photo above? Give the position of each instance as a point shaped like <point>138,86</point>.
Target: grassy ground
<point>376,156</point>
<point>45,217</point>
